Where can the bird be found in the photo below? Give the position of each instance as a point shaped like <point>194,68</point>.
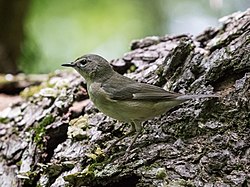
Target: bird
<point>123,98</point>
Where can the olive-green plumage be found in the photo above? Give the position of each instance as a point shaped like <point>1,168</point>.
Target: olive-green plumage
<point>122,98</point>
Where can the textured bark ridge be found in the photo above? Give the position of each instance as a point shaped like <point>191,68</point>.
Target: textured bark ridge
<point>56,136</point>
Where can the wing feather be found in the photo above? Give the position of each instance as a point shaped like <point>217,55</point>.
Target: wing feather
<point>128,89</point>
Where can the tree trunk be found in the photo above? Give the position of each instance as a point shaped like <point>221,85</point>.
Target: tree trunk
<point>12,17</point>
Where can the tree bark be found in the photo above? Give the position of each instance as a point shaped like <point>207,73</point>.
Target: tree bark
<point>56,136</point>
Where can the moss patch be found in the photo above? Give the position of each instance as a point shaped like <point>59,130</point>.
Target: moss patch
<point>40,128</point>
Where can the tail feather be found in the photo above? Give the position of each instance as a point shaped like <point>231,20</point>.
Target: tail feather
<point>188,97</point>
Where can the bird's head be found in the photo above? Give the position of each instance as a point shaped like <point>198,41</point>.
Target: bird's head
<point>92,67</point>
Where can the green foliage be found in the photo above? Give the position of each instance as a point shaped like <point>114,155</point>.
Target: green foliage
<point>60,30</point>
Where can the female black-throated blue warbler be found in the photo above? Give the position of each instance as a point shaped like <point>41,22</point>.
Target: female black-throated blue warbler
<point>123,98</point>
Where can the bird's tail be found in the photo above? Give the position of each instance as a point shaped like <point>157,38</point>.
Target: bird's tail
<point>188,97</point>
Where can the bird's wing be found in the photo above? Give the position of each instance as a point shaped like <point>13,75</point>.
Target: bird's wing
<point>127,89</point>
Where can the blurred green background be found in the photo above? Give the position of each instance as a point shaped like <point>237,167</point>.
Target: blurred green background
<point>58,31</point>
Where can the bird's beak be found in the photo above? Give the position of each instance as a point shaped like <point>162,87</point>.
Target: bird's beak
<point>71,64</point>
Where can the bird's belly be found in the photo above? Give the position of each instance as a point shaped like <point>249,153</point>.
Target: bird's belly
<point>134,110</point>
<point>124,110</point>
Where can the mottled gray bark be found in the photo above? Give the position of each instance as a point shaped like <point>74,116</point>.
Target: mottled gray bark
<point>56,137</point>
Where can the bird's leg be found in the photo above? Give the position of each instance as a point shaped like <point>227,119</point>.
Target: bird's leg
<point>138,129</point>
<point>132,131</point>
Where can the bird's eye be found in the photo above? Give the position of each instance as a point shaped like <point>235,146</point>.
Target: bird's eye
<point>82,62</point>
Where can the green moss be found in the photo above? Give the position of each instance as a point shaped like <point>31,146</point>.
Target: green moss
<point>161,173</point>
<point>47,120</point>
<point>30,91</point>
<point>161,77</point>
<point>132,69</point>
<point>40,128</point>
<point>27,177</point>
<point>97,156</point>
<point>81,178</point>
<point>180,183</point>
<point>4,120</point>
<point>19,163</point>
